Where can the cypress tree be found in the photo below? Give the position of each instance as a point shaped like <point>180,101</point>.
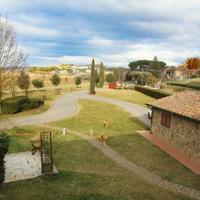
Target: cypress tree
<point>101,76</point>
<point>92,78</point>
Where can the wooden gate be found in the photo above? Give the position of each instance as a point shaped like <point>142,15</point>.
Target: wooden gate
<point>46,152</point>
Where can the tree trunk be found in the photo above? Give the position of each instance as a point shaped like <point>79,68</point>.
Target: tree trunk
<point>26,92</point>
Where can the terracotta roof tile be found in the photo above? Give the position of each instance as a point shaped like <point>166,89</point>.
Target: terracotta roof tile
<point>184,103</point>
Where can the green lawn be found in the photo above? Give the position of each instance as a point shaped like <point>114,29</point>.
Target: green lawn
<point>85,174</point>
<point>126,95</point>
<point>126,141</point>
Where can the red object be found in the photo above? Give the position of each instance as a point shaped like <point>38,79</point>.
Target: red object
<point>112,85</point>
<point>172,151</point>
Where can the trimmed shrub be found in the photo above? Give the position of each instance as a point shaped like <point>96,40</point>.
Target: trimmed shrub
<point>20,103</point>
<point>152,92</point>
<point>4,144</point>
<point>192,85</point>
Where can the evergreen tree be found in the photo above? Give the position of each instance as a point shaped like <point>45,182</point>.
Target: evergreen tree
<point>92,78</point>
<point>101,75</point>
<point>96,75</point>
<point>23,81</point>
<point>78,81</point>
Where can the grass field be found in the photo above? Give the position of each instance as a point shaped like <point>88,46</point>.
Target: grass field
<point>85,173</point>
<point>123,138</point>
<point>126,95</point>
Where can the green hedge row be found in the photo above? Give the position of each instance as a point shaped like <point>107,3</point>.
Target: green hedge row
<point>4,144</point>
<point>152,92</point>
<point>19,103</point>
<point>187,85</point>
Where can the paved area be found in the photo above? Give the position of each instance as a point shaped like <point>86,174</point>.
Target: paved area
<point>135,169</point>
<point>21,166</point>
<point>172,151</point>
<point>67,106</point>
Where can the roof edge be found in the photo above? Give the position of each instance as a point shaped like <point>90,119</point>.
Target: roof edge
<point>184,116</point>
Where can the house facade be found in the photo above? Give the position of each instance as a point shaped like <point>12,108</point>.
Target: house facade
<point>176,119</point>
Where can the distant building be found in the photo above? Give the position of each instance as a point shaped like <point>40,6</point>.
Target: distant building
<point>177,119</point>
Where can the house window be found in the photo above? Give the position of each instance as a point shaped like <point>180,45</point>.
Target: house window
<point>166,119</point>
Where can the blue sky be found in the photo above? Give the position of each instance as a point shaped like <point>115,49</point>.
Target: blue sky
<point>113,31</point>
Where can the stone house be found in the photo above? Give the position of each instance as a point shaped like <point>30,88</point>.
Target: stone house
<point>176,119</point>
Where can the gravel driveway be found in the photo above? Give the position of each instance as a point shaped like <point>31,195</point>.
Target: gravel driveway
<point>67,105</point>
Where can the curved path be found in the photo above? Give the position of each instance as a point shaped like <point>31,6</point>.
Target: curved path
<point>131,167</point>
<point>67,106</point>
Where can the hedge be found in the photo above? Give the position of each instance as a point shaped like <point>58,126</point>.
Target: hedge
<point>152,92</point>
<point>192,85</point>
<point>4,144</point>
<point>19,103</point>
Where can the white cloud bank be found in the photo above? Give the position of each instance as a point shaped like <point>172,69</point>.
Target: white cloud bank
<point>176,21</point>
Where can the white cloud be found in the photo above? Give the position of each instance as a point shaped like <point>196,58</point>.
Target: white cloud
<point>100,41</point>
<point>175,22</point>
<point>27,29</point>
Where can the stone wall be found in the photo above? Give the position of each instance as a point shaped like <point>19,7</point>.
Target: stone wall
<point>183,133</point>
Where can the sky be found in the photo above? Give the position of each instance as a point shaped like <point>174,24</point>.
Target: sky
<point>113,31</point>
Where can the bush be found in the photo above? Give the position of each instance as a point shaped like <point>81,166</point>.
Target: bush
<point>152,92</point>
<point>37,83</point>
<point>20,103</point>
<point>78,81</point>
<point>55,79</point>
<point>4,144</point>
<point>192,85</point>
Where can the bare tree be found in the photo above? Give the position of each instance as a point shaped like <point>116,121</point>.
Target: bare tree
<point>12,58</point>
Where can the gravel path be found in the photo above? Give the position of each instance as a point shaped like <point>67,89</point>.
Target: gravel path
<point>67,106</point>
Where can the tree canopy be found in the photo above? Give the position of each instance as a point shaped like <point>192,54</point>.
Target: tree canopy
<point>110,78</point>
<point>23,81</point>
<point>192,63</point>
<point>154,66</point>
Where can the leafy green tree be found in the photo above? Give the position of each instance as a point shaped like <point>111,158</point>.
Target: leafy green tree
<point>78,81</point>
<point>128,76</point>
<point>37,83</point>
<point>142,78</point>
<point>110,78</point>
<point>23,81</point>
<point>92,78</point>
<point>155,67</point>
<point>101,75</point>
<point>55,79</point>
